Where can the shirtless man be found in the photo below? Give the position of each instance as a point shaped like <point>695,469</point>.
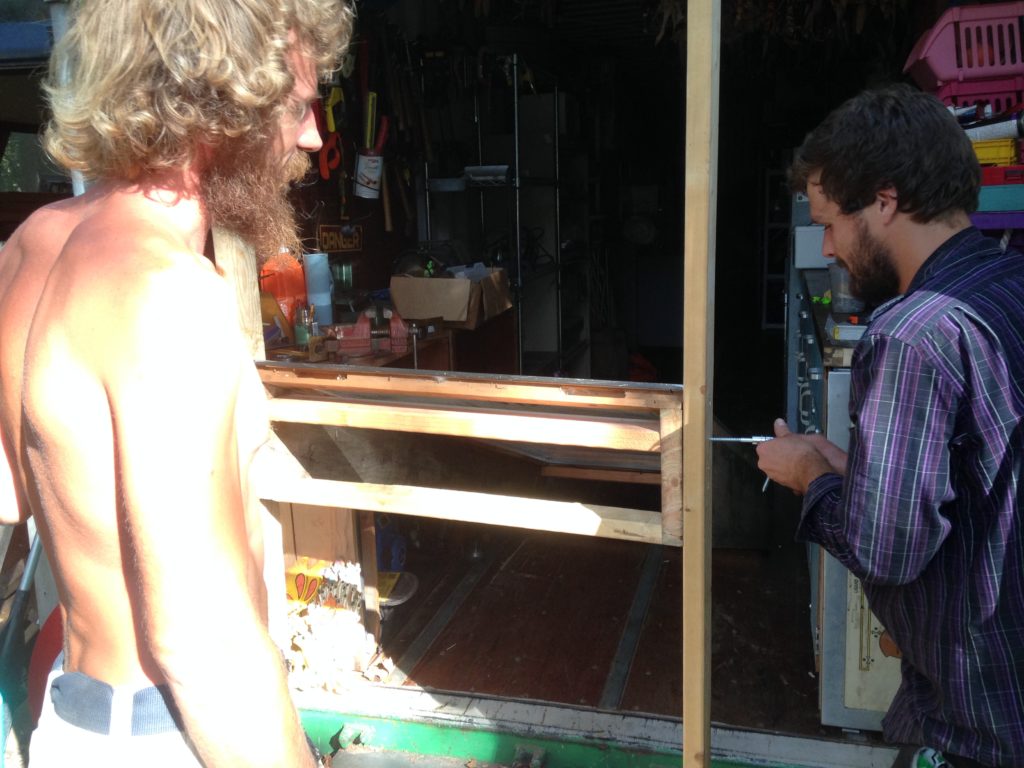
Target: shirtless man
<point>129,409</point>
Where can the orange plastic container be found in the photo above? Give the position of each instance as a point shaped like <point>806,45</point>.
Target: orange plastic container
<point>283,277</point>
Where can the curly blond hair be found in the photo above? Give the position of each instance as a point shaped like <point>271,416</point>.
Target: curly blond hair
<point>137,86</point>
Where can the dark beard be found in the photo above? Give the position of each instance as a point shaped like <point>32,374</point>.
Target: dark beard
<point>873,277</point>
<point>245,191</point>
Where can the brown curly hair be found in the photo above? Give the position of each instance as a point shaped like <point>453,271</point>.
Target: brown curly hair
<point>137,86</point>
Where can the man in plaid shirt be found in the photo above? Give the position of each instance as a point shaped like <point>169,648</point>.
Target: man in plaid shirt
<point>925,508</point>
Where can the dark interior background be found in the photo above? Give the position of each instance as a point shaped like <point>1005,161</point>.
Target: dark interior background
<point>784,65</point>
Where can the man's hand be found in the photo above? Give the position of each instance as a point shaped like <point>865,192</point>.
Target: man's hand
<point>795,460</point>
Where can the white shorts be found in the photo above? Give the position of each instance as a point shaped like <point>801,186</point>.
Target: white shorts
<point>85,722</point>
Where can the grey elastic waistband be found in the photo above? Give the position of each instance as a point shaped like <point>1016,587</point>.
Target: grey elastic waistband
<point>86,702</point>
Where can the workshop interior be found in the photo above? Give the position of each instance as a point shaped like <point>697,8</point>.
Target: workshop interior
<point>500,199</point>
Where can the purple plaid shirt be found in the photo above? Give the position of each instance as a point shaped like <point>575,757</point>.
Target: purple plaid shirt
<point>929,513</point>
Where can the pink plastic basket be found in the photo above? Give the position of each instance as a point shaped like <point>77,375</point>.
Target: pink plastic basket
<point>970,42</point>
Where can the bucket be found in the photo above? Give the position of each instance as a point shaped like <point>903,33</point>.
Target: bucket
<point>843,301</point>
<point>369,169</point>
<point>319,286</point>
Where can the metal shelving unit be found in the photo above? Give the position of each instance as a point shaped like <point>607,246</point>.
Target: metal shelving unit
<point>538,289</point>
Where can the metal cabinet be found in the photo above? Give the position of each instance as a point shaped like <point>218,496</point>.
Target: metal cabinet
<point>856,680</point>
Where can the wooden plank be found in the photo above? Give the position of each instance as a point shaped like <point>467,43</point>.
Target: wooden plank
<point>324,532</point>
<point>671,428</point>
<point>274,568</point>
<point>473,507</point>
<point>236,262</point>
<point>703,31</point>
<point>608,475</point>
<point>576,393</point>
<point>368,563</point>
<point>596,432</point>
<point>282,511</point>
<point>573,456</point>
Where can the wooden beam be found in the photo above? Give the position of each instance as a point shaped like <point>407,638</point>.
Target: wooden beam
<point>608,475</point>
<point>520,426</point>
<point>273,572</point>
<point>703,31</point>
<point>325,533</point>
<point>671,427</point>
<point>492,509</point>
<point>489,388</point>
<point>371,579</point>
<point>236,262</point>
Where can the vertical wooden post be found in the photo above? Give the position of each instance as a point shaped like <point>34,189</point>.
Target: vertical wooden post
<point>236,261</point>
<point>703,29</point>
<point>368,561</point>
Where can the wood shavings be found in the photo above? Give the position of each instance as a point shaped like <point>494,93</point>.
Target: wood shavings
<point>379,668</point>
<point>329,647</point>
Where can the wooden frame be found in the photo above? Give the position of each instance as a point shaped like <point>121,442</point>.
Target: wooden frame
<point>688,490</point>
<point>615,416</point>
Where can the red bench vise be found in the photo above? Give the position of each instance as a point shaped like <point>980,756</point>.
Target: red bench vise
<point>371,335</point>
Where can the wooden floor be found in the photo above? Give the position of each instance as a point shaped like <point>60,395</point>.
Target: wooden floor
<point>547,601</point>
<point>548,617</point>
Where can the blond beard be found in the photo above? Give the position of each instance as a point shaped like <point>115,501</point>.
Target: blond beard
<point>245,190</point>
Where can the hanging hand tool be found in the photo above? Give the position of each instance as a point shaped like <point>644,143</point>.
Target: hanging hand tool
<point>391,83</point>
<point>369,119</point>
<point>398,179</point>
<point>329,156</point>
<point>386,203</point>
<point>382,135</point>
<point>336,97</point>
<point>342,183</point>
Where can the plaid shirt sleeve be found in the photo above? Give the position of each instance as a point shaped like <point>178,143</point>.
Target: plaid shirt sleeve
<point>887,523</point>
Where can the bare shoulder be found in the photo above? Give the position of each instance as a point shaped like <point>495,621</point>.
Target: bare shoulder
<point>139,284</point>
<point>42,232</point>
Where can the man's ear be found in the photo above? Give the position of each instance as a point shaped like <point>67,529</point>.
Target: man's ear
<point>887,203</point>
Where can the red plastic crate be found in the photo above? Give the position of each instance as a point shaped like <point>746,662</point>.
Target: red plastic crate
<point>970,42</point>
<point>1002,174</point>
<point>1003,93</point>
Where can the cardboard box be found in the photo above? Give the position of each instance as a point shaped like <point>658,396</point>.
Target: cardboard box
<point>461,302</point>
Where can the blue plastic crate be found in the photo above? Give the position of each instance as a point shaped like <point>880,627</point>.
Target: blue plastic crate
<point>1001,197</point>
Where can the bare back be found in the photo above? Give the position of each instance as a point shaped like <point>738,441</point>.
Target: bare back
<point>133,413</point>
<point>25,262</point>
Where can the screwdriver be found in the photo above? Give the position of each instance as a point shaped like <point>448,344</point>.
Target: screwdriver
<point>754,439</point>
